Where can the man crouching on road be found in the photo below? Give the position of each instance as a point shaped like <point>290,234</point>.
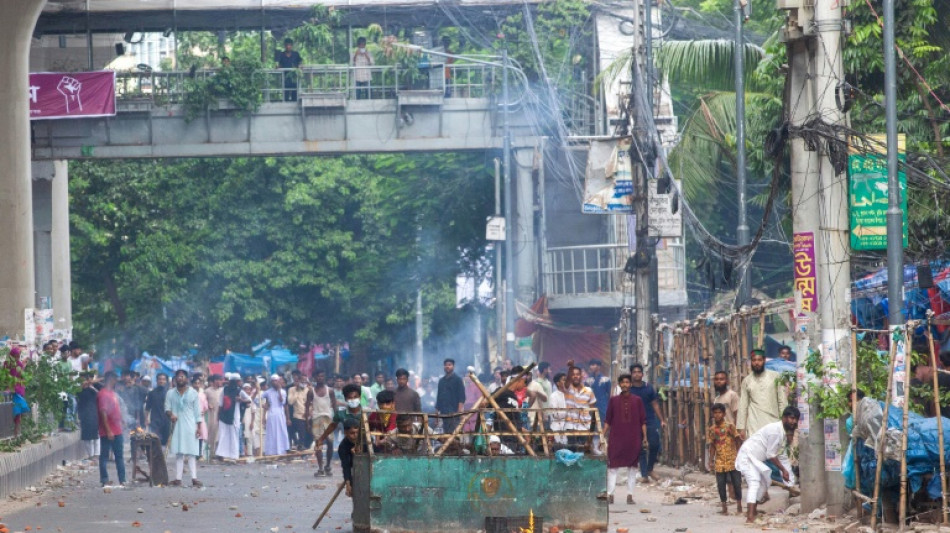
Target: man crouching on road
<point>770,443</point>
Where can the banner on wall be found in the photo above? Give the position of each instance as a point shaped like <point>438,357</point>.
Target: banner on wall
<point>72,94</point>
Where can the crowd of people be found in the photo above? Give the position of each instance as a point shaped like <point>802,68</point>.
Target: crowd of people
<point>226,417</point>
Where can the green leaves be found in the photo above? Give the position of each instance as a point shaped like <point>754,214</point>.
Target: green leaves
<point>224,252</point>
<point>706,63</point>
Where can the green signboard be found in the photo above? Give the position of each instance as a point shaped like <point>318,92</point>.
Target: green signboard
<point>868,200</point>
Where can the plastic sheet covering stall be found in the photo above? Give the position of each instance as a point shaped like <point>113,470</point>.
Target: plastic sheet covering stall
<point>557,342</point>
<point>923,457</point>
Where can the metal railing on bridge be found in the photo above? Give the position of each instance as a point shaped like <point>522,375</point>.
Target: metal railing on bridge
<point>359,83</point>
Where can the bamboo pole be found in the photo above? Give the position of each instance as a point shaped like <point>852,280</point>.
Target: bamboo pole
<point>425,432</point>
<point>761,340</point>
<point>854,416</point>
<point>680,401</point>
<point>478,403</point>
<point>500,413</point>
<point>943,467</point>
<point>263,413</point>
<point>879,453</point>
<point>905,426</point>
<point>698,404</point>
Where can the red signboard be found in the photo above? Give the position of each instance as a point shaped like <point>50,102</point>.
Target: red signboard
<point>72,95</point>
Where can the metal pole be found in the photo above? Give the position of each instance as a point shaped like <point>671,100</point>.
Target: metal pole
<point>510,311</point>
<point>833,241</point>
<point>499,276</point>
<point>742,230</point>
<point>895,239</point>
<point>419,332</point>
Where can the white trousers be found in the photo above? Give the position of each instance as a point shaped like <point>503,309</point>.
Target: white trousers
<point>91,447</point>
<point>758,475</point>
<point>180,466</point>
<point>612,479</point>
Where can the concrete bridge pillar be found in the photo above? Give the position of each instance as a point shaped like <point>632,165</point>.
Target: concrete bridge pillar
<point>42,230</point>
<point>51,240</point>
<point>16,208</point>
<point>59,253</point>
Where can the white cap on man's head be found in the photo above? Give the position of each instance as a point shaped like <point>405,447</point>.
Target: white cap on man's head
<point>275,377</point>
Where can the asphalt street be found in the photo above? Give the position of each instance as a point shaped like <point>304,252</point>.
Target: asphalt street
<point>286,497</point>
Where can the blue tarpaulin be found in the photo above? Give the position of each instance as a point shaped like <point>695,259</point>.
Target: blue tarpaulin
<point>265,362</point>
<point>922,455</point>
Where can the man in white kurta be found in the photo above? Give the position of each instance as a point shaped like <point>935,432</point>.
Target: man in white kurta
<point>768,444</point>
<point>761,399</point>
<point>184,411</point>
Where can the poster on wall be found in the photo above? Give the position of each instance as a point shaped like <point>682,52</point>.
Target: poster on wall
<point>608,183</point>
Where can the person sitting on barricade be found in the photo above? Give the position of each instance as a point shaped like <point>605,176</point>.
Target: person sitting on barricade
<point>403,441</point>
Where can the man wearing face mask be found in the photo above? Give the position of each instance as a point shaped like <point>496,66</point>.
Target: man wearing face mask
<point>352,410</point>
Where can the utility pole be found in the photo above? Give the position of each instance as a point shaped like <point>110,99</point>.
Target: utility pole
<point>804,179</point>
<point>499,283</point>
<point>834,239</point>
<point>642,163</point>
<point>419,331</point>
<point>510,311</point>
<point>895,240</point>
<point>742,228</point>
<point>821,226</point>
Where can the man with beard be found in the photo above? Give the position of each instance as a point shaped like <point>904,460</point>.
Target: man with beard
<point>655,421</point>
<point>229,432</point>
<point>131,395</point>
<point>725,396</point>
<point>184,411</point>
<point>761,399</point>
<point>768,444</point>
<point>155,416</point>
<point>300,402</point>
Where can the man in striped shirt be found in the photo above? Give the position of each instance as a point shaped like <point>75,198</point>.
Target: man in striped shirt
<point>578,398</point>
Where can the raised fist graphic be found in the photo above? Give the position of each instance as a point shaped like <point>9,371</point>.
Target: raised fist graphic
<point>70,87</point>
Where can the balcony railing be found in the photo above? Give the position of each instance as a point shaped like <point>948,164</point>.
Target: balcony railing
<point>362,83</point>
<point>584,270</point>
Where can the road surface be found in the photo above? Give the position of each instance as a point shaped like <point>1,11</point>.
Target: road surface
<point>286,497</point>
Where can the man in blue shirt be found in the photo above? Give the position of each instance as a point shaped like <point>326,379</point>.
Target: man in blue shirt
<point>600,384</point>
<point>655,421</point>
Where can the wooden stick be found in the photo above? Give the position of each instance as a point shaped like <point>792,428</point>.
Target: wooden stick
<point>500,413</point>
<point>273,457</point>
<point>880,448</point>
<point>169,445</point>
<point>327,508</point>
<point>854,415</point>
<point>478,403</point>
<point>905,426</point>
<point>943,468</point>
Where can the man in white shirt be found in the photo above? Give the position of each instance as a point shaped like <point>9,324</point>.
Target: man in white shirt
<point>770,443</point>
<point>78,360</point>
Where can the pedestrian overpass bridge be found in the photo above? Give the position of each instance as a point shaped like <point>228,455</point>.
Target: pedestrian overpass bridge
<point>325,112</point>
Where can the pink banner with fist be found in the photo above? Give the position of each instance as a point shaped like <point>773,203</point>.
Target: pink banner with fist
<point>72,95</point>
